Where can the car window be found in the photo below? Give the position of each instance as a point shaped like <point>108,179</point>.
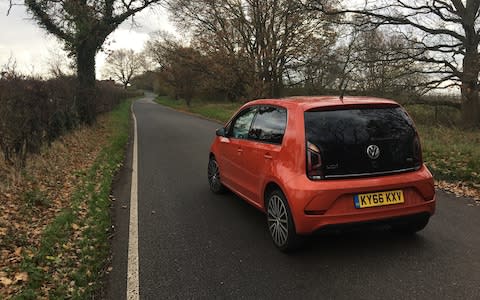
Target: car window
<point>269,125</point>
<point>344,136</point>
<point>241,125</point>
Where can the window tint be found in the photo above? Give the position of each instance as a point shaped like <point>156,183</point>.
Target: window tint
<point>343,137</point>
<point>241,125</point>
<point>269,125</point>
<point>355,126</point>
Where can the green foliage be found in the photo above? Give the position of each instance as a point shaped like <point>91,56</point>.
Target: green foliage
<point>55,234</point>
<point>221,111</point>
<point>451,153</point>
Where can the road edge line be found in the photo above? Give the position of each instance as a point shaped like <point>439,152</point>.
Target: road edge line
<point>133,285</point>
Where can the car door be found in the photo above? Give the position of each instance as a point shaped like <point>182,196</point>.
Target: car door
<point>261,150</point>
<point>232,149</point>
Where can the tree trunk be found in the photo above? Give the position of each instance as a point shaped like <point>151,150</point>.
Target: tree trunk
<point>470,105</point>
<point>470,89</point>
<point>188,101</point>
<point>277,87</point>
<point>86,82</point>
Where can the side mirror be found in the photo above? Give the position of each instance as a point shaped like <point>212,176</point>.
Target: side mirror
<point>220,132</point>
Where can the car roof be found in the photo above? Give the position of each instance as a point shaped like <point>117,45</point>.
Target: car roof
<point>312,102</point>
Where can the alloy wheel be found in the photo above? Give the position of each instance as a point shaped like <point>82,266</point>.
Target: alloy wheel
<point>214,175</point>
<point>277,220</point>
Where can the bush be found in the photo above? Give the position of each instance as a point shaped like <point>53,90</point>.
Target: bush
<point>35,112</point>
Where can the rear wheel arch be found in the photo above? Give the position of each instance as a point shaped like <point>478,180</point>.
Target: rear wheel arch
<point>280,222</point>
<point>270,187</point>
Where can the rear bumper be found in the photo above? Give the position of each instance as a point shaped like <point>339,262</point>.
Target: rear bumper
<point>319,204</point>
<point>308,224</point>
<point>375,223</point>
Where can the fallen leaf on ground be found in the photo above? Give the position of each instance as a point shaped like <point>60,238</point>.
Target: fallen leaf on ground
<point>5,281</point>
<point>23,276</point>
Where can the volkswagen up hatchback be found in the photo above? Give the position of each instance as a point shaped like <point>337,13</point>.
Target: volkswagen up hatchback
<point>314,162</point>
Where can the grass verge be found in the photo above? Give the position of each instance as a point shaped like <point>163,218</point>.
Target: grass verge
<point>70,259</point>
<point>452,154</point>
<point>215,111</point>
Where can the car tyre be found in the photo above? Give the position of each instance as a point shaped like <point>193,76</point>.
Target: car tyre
<point>280,222</point>
<point>410,227</point>
<point>214,182</point>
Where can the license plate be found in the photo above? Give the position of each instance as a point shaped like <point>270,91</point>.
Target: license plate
<point>378,199</point>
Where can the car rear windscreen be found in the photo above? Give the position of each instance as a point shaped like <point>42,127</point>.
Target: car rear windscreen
<point>363,141</point>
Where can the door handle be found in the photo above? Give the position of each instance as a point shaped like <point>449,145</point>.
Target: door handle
<point>267,156</point>
<point>239,150</point>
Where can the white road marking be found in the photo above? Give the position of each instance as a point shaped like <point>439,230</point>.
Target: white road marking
<point>133,286</point>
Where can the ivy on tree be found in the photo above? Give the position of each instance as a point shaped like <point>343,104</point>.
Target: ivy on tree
<point>83,26</point>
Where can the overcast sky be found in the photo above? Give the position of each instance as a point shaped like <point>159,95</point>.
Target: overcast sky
<point>32,47</point>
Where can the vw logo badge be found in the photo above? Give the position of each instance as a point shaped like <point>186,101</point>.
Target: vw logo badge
<point>373,151</point>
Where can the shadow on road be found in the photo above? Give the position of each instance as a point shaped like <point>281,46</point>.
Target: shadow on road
<point>341,244</point>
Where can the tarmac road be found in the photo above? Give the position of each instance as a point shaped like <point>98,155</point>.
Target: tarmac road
<point>194,244</point>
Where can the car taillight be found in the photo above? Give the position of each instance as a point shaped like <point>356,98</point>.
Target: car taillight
<point>314,162</point>
<point>417,151</point>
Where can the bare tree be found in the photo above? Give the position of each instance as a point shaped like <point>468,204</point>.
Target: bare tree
<point>180,67</point>
<point>383,70</point>
<point>445,37</point>
<point>317,70</point>
<point>9,69</point>
<point>218,74</point>
<point>59,64</point>
<point>123,64</point>
<point>159,47</point>
<point>271,34</point>
<point>83,26</point>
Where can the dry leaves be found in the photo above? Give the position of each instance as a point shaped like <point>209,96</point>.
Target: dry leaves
<point>460,189</point>
<point>23,276</point>
<point>19,277</point>
<point>28,203</point>
<point>5,281</point>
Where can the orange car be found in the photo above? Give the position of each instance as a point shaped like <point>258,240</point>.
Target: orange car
<point>314,162</point>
